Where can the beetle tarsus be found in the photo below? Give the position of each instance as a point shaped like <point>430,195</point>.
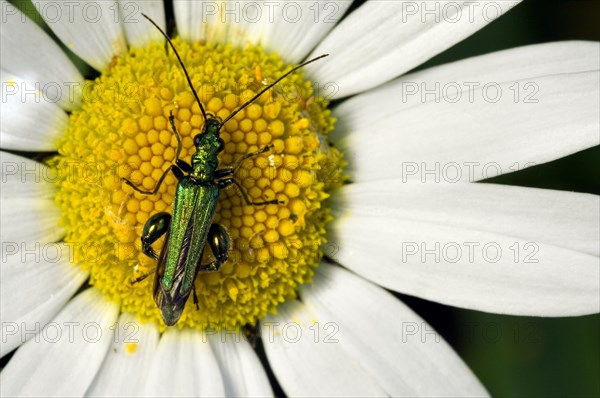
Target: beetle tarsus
<point>195,297</point>
<point>141,278</point>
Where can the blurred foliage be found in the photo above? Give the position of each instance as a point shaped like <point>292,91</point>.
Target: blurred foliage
<point>515,356</point>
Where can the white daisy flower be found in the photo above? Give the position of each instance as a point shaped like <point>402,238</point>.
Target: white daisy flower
<point>406,214</point>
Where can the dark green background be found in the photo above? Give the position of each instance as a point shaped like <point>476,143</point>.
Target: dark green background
<point>525,356</point>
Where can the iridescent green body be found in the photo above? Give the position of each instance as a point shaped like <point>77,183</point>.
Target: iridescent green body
<point>191,225</point>
<point>193,211</point>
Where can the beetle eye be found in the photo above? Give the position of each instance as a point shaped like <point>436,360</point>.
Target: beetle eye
<point>197,140</point>
<point>221,145</point>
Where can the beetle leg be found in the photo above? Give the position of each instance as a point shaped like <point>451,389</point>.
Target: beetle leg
<point>177,136</point>
<point>232,181</point>
<point>184,166</point>
<point>173,168</point>
<point>219,242</point>
<point>195,296</point>
<point>155,227</point>
<point>230,170</point>
<point>141,278</point>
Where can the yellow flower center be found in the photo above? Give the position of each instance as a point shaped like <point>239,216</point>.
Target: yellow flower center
<point>122,131</point>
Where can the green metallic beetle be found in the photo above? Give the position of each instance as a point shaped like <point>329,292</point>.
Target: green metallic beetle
<point>191,227</point>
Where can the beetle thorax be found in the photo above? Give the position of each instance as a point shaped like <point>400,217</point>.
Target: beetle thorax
<point>205,160</point>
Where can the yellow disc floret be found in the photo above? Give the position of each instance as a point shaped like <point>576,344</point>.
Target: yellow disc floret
<point>122,132</point>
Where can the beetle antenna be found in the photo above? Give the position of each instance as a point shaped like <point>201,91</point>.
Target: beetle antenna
<point>187,76</point>
<point>270,86</point>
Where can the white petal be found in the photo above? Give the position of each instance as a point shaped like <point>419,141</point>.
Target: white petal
<point>294,28</point>
<point>490,259</point>
<point>299,26</point>
<point>184,366</point>
<point>383,39</point>
<point>399,349</point>
<point>29,121</point>
<point>63,358</point>
<point>29,220</point>
<point>200,20</point>
<point>308,360</point>
<point>288,28</point>
<point>243,374</point>
<point>28,212</point>
<point>92,30</point>
<point>548,107</point>
<point>229,21</point>
<point>25,178</point>
<point>24,40</point>
<point>138,30</point>
<point>124,371</point>
<point>36,281</point>
<point>564,219</point>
